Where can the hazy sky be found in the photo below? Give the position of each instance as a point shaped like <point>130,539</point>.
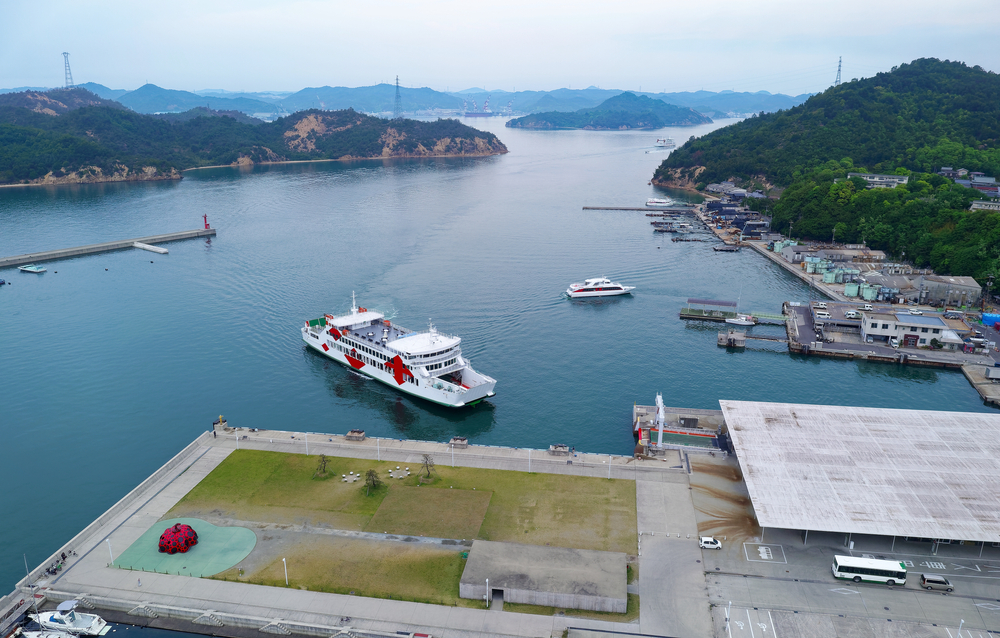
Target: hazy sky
<point>254,45</point>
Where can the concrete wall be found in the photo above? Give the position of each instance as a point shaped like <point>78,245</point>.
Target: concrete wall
<point>548,599</point>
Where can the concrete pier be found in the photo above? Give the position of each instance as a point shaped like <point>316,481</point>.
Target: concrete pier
<point>242,610</point>
<point>49,255</point>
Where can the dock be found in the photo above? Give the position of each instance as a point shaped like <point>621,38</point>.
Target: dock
<point>987,388</point>
<point>647,209</point>
<point>227,607</point>
<point>63,253</point>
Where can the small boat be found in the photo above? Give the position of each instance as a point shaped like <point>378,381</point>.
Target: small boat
<point>42,634</point>
<point>597,287</point>
<point>2,282</point>
<point>666,142</point>
<point>66,619</point>
<point>31,268</point>
<point>659,202</point>
<point>742,320</point>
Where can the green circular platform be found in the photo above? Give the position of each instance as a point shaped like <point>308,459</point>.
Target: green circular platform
<point>218,549</point>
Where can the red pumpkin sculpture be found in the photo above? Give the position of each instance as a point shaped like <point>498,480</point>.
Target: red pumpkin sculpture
<point>178,538</point>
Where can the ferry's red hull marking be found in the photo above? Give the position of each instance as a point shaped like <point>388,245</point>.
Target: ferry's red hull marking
<point>399,370</point>
<point>333,332</point>
<point>353,360</point>
<point>326,348</point>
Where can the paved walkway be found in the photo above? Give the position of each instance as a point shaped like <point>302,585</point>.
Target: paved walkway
<point>673,598</point>
<point>90,577</point>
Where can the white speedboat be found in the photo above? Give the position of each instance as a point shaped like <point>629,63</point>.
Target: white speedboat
<point>666,142</point>
<point>659,202</point>
<point>742,320</point>
<point>31,268</point>
<point>65,618</point>
<point>427,364</point>
<point>597,287</point>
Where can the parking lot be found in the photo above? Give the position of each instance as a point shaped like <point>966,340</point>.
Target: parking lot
<point>776,584</point>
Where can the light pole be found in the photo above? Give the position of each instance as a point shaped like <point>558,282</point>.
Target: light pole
<point>286,571</point>
<point>108,541</point>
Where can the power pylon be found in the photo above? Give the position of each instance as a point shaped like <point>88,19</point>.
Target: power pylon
<point>69,74</point>
<point>397,108</point>
<point>839,61</point>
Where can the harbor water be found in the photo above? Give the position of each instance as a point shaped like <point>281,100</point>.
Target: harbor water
<point>114,362</point>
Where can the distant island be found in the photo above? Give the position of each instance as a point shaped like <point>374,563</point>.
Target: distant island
<point>621,112</point>
<point>74,136</point>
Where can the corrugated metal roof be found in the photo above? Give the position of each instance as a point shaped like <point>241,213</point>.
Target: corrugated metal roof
<point>870,470</point>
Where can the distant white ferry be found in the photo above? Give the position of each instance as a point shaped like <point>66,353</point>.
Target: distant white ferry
<point>657,202</point>
<point>667,142</point>
<point>428,364</point>
<point>597,287</point>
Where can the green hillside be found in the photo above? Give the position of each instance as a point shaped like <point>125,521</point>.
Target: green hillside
<point>102,143</point>
<point>927,219</point>
<point>919,116</point>
<point>625,111</point>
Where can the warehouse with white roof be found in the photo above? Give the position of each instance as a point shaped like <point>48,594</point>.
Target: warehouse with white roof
<point>906,473</point>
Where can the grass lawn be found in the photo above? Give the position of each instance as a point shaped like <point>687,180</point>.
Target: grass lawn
<point>273,487</point>
<point>409,572</point>
<point>536,509</point>
<point>438,513</point>
<point>631,611</point>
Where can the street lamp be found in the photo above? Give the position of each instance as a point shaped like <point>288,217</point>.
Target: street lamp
<point>108,541</point>
<point>286,571</point>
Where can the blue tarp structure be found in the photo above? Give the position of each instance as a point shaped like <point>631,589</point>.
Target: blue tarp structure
<point>990,320</point>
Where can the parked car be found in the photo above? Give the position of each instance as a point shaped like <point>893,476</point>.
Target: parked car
<point>870,339</point>
<point>819,304</point>
<point>866,307</point>
<point>894,342</point>
<point>709,542</point>
<point>852,314</point>
<point>935,581</point>
<point>914,311</point>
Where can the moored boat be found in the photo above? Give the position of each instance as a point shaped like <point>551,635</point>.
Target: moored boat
<point>742,320</point>
<point>427,364</point>
<point>65,618</point>
<point>659,202</point>
<point>31,268</point>
<point>597,287</point>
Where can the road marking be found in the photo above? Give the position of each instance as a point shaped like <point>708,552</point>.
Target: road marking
<point>845,591</point>
<point>766,553</point>
<point>990,606</point>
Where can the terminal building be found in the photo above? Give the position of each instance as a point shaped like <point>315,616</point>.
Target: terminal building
<point>903,475</point>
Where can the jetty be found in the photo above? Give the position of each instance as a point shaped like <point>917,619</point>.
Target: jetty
<point>63,253</point>
<point>660,209</point>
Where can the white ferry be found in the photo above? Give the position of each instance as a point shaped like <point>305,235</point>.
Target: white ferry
<point>667,142</point>
<point>657,202</point>
<point>428,364</point>
<point>597,287</point>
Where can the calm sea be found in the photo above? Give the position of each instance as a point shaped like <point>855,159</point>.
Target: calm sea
<point>112,363</point>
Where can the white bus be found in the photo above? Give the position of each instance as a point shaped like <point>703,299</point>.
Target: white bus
<point>869,570</point>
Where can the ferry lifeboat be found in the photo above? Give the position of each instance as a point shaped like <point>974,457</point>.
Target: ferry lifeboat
<point>597,287</point>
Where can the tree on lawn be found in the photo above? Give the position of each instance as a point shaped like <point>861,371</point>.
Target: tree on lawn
<point>428,464</point>
<point>321,468</point>
<point>372,481</point>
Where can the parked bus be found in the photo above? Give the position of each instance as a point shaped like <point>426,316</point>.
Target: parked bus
<point>869,570</point>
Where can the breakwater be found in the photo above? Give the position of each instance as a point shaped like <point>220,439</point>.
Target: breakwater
<point>62,253</point>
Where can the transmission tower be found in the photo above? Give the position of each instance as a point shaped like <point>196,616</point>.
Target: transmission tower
<point>397,108</point>
<point>839,61</point>
<point>69,74</point>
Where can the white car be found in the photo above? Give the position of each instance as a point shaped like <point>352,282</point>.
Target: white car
<point>914,311</point>
<point>709,542</point>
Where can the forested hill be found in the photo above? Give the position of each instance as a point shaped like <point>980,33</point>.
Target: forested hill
<point>919,116</point>
<point>625,111</point>
<point>104,143</point>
